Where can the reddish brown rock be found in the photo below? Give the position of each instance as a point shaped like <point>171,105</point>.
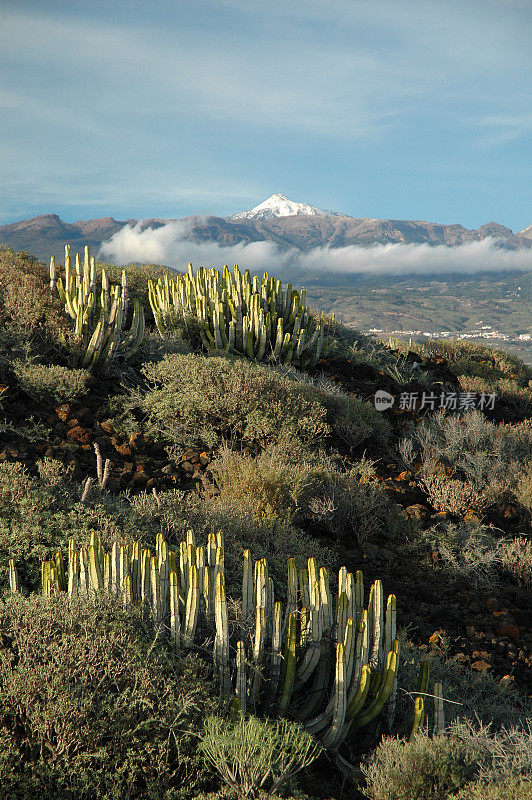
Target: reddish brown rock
<point>63,412</point>
<point>124,449</point>
<point>79,435</point>
<point>404,476</point>
<point>510,630</point>
<point>481,666</point>
<point>505,682</point>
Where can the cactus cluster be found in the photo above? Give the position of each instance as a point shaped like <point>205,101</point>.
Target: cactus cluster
<point>240,314</point>
<point>98,312</point>
<point>322,657</point>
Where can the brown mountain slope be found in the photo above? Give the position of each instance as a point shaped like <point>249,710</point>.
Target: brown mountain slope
<point>47,234</point>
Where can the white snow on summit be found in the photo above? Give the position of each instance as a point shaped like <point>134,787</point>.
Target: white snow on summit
<point>526,232</point>
<point>280,206</point>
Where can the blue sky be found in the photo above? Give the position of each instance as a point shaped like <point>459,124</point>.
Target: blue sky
<point>410,110</point>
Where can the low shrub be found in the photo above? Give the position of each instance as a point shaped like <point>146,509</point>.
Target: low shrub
<point>273,484</point>
<point>515,790</point>
<point>467,462</point>
<point>421,769</point>
<point>523,490</point>
<point>506,389</point>
<point>256,756</point>
<point>51,383</point>
<point>468,695</point>
<point>38,514</point>
<point>13,344</point>
<point>90,708</point>
<point>472,359</point>
<point>26,303</point>
<point>154,349</point>
<point>515,559</point>
<point>271,538</point>
<point>291,484</point>
<point>467,551</point>
<point>352,420</point>
<point>352,505</point>
<point>468,760</point>
<point>204,401</point>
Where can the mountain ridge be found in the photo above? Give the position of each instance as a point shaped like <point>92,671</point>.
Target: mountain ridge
<point>46,234</point>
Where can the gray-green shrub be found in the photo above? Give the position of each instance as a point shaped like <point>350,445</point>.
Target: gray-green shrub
<point>422,769</point>
<point>51,383</point>
<point>90,708</point>
<point>290,483</point>
<point>515,559</point>
<point>272,484</point>
<point>468,695</point>
<point>514,790</point>
<point>469,551</point>
<point>199,401</point>
<point>467,461</point>
<point>203,401</point>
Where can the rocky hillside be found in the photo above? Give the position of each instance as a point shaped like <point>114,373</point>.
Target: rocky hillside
<point>432,494</point>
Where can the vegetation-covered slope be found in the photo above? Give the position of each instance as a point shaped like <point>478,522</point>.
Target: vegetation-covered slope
<point>284,463</point>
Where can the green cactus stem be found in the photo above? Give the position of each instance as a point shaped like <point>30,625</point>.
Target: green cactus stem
<point>327,661</point>
<point>98,313</point>
<point>419,714</point>
<point>175,622</point>
<point>238,314</point>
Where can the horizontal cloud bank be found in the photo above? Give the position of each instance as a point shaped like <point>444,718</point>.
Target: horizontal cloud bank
<point>169,245</point>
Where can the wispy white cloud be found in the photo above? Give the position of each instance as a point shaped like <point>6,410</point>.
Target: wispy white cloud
<point>281,82</point>
<point>286,76</point>
<point>502,129</point>
<point>171,246</point>
<point>211,100</point>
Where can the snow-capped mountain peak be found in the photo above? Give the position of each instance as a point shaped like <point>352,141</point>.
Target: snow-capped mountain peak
<point>526,232</point>
<point>278,205</point>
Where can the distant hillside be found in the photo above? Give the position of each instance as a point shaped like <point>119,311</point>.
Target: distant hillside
<point>47,234</point>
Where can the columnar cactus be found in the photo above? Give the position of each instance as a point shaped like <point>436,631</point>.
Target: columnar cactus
<point>419,703</point>
<point>13,576</point>
<point>322,658</point>
<point>237,314</point>
<point>439,714</point>
<point>98,312</point>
